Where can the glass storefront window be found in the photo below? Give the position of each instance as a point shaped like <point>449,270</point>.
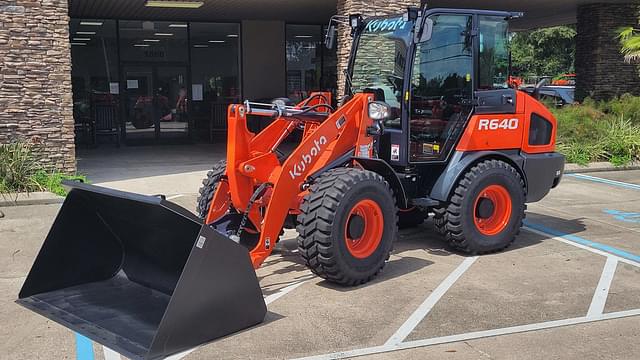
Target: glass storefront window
<point>154,58</point>
<point>94,69</point>
<point>153,41</point>
<point>304,60</point>
<point>215,73</point>
<point>329,67</point>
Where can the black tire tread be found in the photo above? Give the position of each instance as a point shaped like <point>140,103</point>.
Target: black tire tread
<point>314,223</point>
<point>209,186</point>
<point>452,217</point>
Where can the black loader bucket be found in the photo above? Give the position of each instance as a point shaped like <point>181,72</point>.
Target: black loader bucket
<point>141,275</point>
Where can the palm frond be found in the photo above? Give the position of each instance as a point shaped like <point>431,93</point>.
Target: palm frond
<point>630,43</point>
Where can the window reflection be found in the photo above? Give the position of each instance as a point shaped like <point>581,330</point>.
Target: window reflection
<point>94,76</point>
<point>310,66</point>
<point>494,53</point>
<point>441,87</point>
<point>214,74</point>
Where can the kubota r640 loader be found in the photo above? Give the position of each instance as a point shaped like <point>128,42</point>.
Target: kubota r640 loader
<point>427,125</point>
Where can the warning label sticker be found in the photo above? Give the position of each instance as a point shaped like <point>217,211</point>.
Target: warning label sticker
<point>395,152</point>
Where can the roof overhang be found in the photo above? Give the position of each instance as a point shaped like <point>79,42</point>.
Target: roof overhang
<point>538,13</point>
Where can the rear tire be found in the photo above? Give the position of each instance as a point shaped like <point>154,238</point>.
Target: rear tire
<point>347,225</point>
<point>208,189</point>
<point>486,209</point>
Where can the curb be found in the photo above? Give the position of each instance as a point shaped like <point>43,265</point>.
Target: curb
<point>598,167</point>
<point>33,198</point>
<point>47,198</point>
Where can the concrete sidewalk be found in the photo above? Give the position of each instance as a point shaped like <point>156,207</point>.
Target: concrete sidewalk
<point>164,169</point>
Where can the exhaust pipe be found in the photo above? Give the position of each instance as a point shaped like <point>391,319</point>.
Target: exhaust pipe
<point>141,275</point>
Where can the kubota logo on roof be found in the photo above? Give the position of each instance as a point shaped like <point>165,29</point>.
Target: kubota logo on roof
<point>299,167</point>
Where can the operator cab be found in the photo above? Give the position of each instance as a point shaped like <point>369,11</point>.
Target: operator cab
<point>433,69</point>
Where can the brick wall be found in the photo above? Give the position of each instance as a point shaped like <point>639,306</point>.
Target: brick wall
<point>365,8</point>
<point>600,68</point>
<point>35,79</point>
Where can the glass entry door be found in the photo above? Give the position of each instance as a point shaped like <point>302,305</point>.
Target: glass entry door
<point>156,103</point>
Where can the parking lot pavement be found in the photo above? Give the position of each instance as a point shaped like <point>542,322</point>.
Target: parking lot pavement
<point>568,288</point>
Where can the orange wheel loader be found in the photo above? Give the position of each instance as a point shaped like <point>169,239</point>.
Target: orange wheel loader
<point>427,126</point>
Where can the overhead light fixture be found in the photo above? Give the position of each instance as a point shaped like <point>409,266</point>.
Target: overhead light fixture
<point>85,32</point>
<point>216,41</point>
<point>151,40</point>
<point>232,35</point>
<point>200,46</point>
<point>304,36</point>
<point>78,44</point>
<point>177,25</point>
<point>81,39</point>
<point>163,34</point>
<point>91,23</point>
<point>174,4</point>
<point>141,45</point>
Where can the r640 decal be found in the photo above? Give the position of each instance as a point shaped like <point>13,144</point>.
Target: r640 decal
<point>495,124</point>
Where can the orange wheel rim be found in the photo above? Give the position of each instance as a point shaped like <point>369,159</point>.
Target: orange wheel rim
<point>492,210</point>
<point>364,228</point>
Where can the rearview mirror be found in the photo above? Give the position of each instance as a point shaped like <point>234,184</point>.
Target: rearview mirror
<point>427,30</point>
<point>330,37</point>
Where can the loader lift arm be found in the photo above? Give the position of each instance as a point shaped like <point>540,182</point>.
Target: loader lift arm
<point>252,160</point>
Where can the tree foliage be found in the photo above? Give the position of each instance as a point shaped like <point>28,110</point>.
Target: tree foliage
<point>630,43</point>
<point>544,52</point>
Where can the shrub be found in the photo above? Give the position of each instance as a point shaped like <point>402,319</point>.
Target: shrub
<point>600,131</point>
<point>17,165</point>
<point>19,172</point>
<point>620,140</point>
<point>627,106</point>
<point>52,181</point>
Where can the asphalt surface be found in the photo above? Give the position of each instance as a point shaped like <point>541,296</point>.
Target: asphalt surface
<point>569,288</point>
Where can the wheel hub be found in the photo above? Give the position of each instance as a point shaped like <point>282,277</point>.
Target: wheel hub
<point>364,228</point>
<point>485,208</point>
<point>492,210</point>
<point>355,227</point>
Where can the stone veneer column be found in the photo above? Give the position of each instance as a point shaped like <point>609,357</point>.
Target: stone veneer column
<point>600,68</point>
<point>35,79</point>
<point>365,8</point>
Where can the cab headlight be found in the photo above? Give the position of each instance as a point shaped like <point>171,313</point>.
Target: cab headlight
<point>379,110</point>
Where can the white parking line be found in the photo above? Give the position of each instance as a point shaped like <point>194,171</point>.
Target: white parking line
<point>602,291</point>
<point>284,291</point>
<point>606,181</point>
<point>471,336</point>
<point>584,247</point>
<point>429,302</point>
<point>174,196</point>
<point>268,300</point>
<point>110,354</point>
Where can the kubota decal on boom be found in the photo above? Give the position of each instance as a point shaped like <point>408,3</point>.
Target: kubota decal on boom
<point>299,167</point>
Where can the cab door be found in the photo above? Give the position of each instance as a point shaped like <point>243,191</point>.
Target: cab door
<point>441,88</point>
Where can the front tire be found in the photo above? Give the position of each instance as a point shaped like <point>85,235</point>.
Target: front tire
<point>486,209</point>
<point>347,226</point>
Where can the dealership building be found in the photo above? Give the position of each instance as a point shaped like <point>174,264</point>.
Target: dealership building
<point>71,69</point>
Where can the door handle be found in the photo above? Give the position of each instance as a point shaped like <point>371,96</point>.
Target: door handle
<point>507,99</point>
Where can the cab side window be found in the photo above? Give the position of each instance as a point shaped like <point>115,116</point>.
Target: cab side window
<point>441,87</point>
<point>494,53</point>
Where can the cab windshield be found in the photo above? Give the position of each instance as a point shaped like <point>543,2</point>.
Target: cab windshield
<point>380,58</point>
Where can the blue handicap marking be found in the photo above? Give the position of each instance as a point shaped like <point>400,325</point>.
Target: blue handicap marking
<point>84,348</point>
<point>632,217</point>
